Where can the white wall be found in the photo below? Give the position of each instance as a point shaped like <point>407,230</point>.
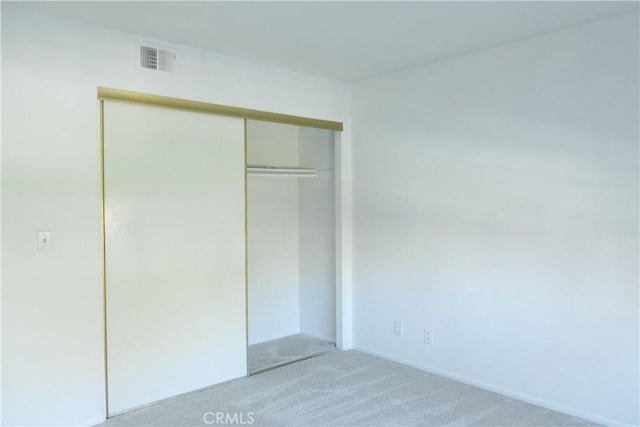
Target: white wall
<point>317,235</point>
<point>52,348</point>
<point>496,203</point>
<point>272,234</point>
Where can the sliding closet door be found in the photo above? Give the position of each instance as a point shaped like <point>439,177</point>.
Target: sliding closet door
<point>175,252</point>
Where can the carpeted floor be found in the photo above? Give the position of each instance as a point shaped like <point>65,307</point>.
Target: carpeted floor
<point>347,388</point>
<point>285,350</point>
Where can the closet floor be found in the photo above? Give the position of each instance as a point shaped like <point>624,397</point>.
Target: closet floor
<point>282,351</point>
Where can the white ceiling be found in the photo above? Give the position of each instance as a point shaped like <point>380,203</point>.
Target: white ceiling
<point>346,41</point>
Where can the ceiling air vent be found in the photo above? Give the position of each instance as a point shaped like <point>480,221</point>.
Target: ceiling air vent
<point>156,59</point>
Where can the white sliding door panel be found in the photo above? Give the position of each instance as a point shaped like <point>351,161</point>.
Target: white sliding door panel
<point>175,252</point>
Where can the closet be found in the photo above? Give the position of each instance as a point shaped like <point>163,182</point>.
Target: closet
<point>291,243</point>
<point>203,256</point>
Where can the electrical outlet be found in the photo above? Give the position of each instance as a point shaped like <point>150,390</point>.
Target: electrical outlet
<point>397,328</point>
<point>428,336</point>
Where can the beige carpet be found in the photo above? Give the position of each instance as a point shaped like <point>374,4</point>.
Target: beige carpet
<point>281,351</point>
<point>347,388</point>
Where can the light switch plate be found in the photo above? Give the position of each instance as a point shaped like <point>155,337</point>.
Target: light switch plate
<point>44,240</point>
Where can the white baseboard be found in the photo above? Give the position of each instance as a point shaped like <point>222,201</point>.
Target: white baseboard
<point>319,337</point>
<point>506,392</point>
<point>93,422</point>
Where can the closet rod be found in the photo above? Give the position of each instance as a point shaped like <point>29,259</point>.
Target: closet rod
<point>274,171</point>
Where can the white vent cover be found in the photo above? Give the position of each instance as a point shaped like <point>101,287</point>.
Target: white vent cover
<point>156,59</point>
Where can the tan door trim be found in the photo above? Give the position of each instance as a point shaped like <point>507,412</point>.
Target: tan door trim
<point>222,110</point>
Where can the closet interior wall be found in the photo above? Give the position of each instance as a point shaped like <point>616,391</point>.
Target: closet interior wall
<point>290,234</point>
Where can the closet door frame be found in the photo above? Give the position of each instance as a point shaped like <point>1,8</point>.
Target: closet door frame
<point>342,198</point>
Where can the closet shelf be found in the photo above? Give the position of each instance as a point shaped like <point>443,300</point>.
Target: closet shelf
<point>281,171</point>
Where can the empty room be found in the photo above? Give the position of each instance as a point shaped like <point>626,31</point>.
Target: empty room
<point>320,213</point>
